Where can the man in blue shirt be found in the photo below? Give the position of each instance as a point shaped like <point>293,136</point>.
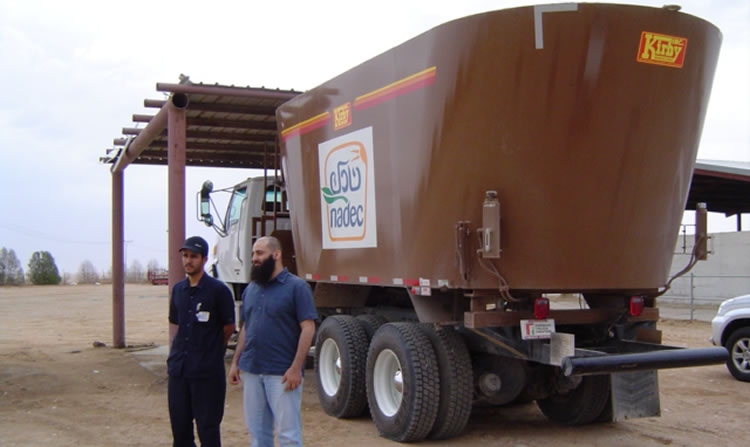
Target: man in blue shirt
<point>279,324</point>
<point>201,320</point>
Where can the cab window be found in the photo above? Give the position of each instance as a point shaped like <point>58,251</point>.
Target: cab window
<point>275,200</point>
<point>235,206</point>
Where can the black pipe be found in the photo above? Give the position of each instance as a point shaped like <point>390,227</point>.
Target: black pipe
<point>668,358</point>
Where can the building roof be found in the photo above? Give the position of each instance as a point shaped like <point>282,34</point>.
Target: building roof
<point>723,185</point>
<point>235,127</point>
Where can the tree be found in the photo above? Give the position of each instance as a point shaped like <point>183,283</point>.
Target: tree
<point>106,276</point>
<point>87,273</point>
<point>67,278</point>
<point>135,272</point>
<point>153,266</point>
<point>11,272</point>
<point>42,269</point>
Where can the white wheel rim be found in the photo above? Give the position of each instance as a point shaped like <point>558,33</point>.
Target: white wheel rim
<point>741,354</point>
<point>388,383</point>
<point>329,367</point>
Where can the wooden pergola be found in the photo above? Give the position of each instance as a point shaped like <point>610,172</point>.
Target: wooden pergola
<point>198,125</point>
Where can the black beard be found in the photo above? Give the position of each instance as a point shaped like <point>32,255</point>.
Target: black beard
<point>261,274</point>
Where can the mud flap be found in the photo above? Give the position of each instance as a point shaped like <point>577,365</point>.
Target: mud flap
<point>634,395</point>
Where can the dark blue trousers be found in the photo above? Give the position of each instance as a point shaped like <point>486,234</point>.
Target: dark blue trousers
<point>201,400</point>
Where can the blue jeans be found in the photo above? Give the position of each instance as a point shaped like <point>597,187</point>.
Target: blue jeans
<point>265,400</point>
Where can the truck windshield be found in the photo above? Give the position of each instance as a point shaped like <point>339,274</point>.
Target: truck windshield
<point>235,206</point>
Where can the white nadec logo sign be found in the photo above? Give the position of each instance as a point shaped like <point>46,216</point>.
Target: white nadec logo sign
<point>347,192</point>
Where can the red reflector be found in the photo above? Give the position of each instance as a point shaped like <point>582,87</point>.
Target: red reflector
<point>541,308</point>
<point>636,305</point>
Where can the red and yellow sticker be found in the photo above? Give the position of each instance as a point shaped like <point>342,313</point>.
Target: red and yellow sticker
<point>662,49</point>
<point>342,116</point>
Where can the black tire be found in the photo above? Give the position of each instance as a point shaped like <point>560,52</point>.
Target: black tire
<point>581,405</point>
<point>340,360</point>
<point>403,383</point>
<point>456,382</point>
<point>738,345</point>
<point>371,323</point>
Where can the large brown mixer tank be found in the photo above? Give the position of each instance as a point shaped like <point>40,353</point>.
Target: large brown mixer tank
<point>584,118</point>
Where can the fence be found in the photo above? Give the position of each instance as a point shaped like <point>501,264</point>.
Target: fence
<point>699,292</point>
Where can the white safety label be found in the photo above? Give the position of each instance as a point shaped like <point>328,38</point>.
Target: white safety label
<point>537,329</point>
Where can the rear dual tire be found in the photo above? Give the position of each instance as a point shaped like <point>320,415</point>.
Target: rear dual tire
<point>581,405</point>
<point>419,382</point>
<point>340,359</point>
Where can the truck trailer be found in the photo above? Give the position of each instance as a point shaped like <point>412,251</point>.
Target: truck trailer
<point>446,198</point>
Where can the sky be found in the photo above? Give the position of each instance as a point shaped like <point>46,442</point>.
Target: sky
<point>73,73</point>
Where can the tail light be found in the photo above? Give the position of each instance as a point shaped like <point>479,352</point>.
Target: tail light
<point>541,308</point>
<point>637,304</point>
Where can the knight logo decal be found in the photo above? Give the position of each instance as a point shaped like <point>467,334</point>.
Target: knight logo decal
<point>347,193</point>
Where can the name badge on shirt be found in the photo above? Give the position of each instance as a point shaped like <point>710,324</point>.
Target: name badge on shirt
<point>203,316</point>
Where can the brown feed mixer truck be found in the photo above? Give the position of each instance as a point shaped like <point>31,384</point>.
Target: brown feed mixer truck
<point>443,196</point>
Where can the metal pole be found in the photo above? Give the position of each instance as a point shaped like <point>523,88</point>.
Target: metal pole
<point>176,140</point>
<point>118,268</point>
<point>692,294</point>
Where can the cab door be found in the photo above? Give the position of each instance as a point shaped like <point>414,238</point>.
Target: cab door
<point>232,264</point>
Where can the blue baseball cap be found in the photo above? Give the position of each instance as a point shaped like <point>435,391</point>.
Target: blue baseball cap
<point>196,244</point>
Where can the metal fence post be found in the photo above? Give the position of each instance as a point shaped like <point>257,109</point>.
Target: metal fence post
<point>692,295</point>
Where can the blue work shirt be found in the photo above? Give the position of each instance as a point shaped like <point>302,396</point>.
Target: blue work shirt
<point>201,312</point>
<point>272,313</point>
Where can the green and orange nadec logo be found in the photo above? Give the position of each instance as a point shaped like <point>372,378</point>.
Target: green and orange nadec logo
<point>347,200</point>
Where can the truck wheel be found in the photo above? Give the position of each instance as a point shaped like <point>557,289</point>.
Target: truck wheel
<point>581,405</point>
<point>403,382</point>
<point>456,381</point>
<point>738,345</point>
<point>371,323</point>
<point>340,359</point>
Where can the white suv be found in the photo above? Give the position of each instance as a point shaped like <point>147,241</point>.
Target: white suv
<point>731,328</point>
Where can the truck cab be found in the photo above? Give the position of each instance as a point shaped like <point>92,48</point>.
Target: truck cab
<point>256,207</point>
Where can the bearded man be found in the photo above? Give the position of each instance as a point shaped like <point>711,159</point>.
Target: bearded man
<point>279,324</point>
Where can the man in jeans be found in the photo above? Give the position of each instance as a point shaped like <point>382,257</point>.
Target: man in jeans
<point>279,325</point>
<point>201,320</point>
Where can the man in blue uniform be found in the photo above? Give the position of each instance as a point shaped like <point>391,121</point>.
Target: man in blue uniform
<point>201,320</point>
<point>279,324</point>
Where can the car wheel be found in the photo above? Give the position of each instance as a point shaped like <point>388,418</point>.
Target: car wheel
<point>738,345</point>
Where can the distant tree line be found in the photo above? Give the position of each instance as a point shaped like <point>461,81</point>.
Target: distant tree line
<point>134,273</point>
<point>42,270</point>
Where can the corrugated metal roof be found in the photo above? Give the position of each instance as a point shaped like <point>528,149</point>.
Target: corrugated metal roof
<point>226,126</point>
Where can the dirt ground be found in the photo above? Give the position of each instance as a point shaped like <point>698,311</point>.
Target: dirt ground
<point>57,389</point>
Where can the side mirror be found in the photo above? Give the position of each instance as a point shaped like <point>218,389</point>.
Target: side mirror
<point>204,207</point>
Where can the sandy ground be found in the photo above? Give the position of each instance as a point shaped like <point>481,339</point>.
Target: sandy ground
<point>57,389</point>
